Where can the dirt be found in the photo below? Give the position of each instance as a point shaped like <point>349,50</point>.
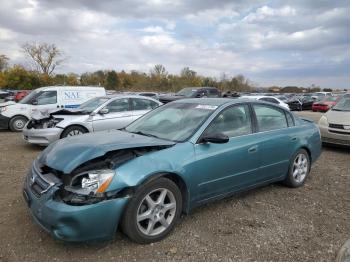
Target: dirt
<point>273,223</point>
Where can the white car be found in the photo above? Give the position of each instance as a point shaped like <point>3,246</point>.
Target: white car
<point>14,116</point>
<point>97,114</point>
<point>271,99</point>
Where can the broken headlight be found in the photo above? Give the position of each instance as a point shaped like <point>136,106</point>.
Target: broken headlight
<point>91,182</point>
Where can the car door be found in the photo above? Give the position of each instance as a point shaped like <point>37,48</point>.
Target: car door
<point>141,106</point>
<point>274,140</point>
<point>228,167</point>
<point>46,101</point>
<point>118,114</point>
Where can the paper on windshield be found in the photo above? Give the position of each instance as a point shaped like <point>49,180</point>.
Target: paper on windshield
<point>207,107</point>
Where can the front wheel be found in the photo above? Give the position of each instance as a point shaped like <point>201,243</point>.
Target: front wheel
<point>73,131</point>
<point>153,211</point>
<point>299,169</point>
<point>17,123</point>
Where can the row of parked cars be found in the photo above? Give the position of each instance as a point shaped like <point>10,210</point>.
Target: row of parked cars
<point>154,160</point>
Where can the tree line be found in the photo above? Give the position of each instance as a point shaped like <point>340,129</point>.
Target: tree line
<point>44,59</point>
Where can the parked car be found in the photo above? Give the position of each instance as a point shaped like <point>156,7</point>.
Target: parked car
<point>178,156</point>
<point>191,92</point>
<point>20,95</point>
<point>302,103</point>
<point>14,116</point>
<point>270,99</point>
<point>149,94</point>
<point>335,124</point>
<point>325,104</point>
<point>97,114</point>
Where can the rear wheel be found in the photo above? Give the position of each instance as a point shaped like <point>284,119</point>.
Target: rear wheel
<point>17,123</point>
<point>73,131</point>
<point>299,169</point>
<point>153,211</point>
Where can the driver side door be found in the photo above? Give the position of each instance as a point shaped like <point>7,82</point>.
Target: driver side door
<point>119,115</point>
<point>224,168</point>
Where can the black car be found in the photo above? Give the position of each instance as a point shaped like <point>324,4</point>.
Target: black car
<point>302,103</point>
<point>192,92</point>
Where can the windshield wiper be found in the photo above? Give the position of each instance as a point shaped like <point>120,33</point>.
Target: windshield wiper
<point>334,109</point>
<point>144,134</point>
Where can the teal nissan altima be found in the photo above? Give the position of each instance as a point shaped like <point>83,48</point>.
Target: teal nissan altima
<point>173,159</point>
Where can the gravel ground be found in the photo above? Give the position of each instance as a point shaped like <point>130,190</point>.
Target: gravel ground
<point>273,223</point>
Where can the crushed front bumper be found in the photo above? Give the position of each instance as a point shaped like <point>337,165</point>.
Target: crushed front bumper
<point>41,136</point>
<point>73,223</point>
<point>335,136</point>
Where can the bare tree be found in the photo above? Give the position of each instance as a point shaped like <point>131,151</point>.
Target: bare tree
<point>45,57</point>
<point>3,62</point>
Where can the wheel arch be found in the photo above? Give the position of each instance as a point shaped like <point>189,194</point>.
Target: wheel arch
<point>179,181</point>
<point>73,125</point>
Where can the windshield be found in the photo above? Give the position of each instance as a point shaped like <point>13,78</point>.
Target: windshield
<point>29,98</point>
<point>176,122</point>
<point>343,104</point>
<point>187,92</point>
<point>90,105</point>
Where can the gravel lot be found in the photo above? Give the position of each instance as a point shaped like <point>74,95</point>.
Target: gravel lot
<point>273,223</point>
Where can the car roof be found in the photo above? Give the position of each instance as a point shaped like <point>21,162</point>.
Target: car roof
<point>212,101</point>
<point>48,88</point>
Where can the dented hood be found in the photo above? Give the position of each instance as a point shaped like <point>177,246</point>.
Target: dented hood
<point>38,115</point>
<point>67,154</point>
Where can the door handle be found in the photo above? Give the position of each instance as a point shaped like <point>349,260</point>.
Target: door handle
<point>253,149</point>
<point>293,139</point>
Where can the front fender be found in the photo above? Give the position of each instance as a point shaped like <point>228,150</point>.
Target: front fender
<point>175,160</point>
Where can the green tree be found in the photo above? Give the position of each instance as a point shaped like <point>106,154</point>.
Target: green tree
<point>112,80</point>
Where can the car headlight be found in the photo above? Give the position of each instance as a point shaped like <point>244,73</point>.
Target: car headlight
<point>3,109</point>
<point>323,121</point>
<point>92,182</point>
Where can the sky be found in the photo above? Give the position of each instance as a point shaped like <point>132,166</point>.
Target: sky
<point>290,42</point>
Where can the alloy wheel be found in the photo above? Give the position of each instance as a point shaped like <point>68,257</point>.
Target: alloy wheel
<point>300,168</point>
<point>156,212</point>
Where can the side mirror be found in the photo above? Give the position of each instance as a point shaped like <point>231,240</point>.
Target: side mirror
<point>104,111</point>
<point>218,138</point>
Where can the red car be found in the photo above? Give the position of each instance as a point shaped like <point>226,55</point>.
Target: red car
<point>20,95</point>
<point>325,104</point>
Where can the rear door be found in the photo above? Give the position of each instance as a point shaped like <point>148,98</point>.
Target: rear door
<point>119,115</point>
<point>141,106</point>
<point>275,141</point>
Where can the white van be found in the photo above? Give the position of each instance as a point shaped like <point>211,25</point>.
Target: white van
<point>14,116</point>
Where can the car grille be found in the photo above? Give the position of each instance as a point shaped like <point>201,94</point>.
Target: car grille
<point>339,132</point>
<point>38,184</point>
<point>337,126</point>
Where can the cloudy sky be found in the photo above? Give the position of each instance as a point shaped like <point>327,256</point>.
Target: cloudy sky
<point>286,42</point>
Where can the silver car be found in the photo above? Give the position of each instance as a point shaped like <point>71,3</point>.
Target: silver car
<point>97,114</point>
<point>335,124</point>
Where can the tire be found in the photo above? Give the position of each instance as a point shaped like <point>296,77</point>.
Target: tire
<point>137,226</point>
<point>73,131</point>
<point>299,169</point>
<point>17,123</point>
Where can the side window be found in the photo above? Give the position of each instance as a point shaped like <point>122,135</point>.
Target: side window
<point>47,98</point>
<point>143,104</point>
<point>119,105</point>
<point>290,119</point>
<point>269,99</point>
<point>270,118</point>
<point>233,121</point>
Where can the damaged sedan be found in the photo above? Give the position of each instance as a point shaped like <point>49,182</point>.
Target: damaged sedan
<point>97,114</point>
<point>179,156</point>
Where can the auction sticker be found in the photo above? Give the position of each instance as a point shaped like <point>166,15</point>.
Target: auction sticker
<point>207,107</point>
